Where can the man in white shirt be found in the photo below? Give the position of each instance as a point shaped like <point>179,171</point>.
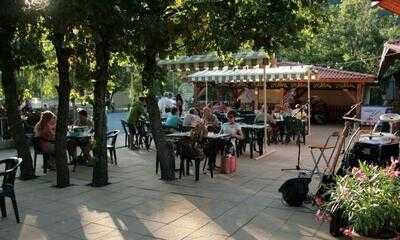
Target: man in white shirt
<point>164,103</point>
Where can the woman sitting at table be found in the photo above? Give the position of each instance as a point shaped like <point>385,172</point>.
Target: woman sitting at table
<point>173,120</point>
<point>85,144</point>
<point>45,130</point>
<point>231,127</point>
<point>210,119</point>
<point>234,130</point>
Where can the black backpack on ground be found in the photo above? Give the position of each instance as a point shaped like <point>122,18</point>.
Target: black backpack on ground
<point>294,191</point>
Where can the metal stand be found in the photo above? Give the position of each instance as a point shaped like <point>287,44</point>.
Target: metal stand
<point>297,167</point>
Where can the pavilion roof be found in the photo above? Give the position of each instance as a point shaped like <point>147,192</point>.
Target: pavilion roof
<point>391,52</point>
<point>390,5</point>
<point>286,72</point>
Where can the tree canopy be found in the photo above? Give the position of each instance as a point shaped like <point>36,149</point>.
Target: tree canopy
<point>350,36</point>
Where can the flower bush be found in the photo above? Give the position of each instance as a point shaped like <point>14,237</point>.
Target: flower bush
<point>369,199</point>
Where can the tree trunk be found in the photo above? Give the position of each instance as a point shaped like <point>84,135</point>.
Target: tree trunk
<point>8,79</point>
<point>64,89</point>
<point>100,170</point>
<point>164,152</point>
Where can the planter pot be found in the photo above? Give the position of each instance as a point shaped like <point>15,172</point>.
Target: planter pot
<point>337,223</point>
<point>356,236</point>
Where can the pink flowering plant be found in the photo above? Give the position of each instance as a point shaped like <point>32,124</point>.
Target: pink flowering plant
<point>369,199</point>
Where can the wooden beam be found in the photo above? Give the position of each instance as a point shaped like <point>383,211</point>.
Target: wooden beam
<point>348,93</point>
<point>360,93</point>
<point>265,155</point>
<point>283,96</point>
<point>237,92</point>
<point>200,91</point>
<point>360,97</point>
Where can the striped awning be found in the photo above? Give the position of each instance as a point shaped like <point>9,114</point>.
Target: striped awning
<point>282,73</point>
<point>212,61</point>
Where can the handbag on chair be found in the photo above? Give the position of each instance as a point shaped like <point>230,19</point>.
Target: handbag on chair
<point>228,164</point>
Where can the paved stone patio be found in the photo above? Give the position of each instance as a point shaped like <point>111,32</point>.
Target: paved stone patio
<point>137,205</point>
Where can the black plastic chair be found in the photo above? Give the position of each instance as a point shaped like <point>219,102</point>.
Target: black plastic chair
<point>190,151</point>
<point>128,136</point>
<point>7,188</point>
<point>112,135</point>
<point>294,128</point>
<point>37,150</point>
<point>145,136</point>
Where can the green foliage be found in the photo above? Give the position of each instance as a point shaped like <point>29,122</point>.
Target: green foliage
<point>120,77</point>
<point>350,36</point>
<point>168,28</point>
<point>136,111</point>
<point>370,199</point>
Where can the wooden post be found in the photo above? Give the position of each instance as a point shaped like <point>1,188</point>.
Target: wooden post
<point>198,90</point>
<point>359,97</point>
<point>257,99</point>
<point>283,95</point>
<point>219,93</point>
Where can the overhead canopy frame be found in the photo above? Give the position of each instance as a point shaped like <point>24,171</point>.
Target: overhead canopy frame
<point>212,60</point>
<point>255,75</point>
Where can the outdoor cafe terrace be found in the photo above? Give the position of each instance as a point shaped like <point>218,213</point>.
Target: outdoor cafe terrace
<point>136,205</point>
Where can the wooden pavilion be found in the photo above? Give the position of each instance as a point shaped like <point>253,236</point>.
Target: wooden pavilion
<point>338,88</point>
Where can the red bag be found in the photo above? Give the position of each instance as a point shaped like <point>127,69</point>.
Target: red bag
<point>228,164</point>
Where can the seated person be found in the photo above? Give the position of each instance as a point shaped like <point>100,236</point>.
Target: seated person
<point>136,112</point>
<point>167,112</point>
<point>83,119</point>
<point>219,107</point>
<point>210,119</point>
<point>191,118</point>
<point>231,127</point>
<point>85,144</point>
<point>45,129</point>
<point>173,120</point>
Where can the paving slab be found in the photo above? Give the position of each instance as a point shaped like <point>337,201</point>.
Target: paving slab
<point>137,205</point>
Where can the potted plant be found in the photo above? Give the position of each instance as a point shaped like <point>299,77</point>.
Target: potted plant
<point>368,201</point>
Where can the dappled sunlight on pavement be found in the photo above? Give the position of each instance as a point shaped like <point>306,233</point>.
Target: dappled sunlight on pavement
<point>137,205</point>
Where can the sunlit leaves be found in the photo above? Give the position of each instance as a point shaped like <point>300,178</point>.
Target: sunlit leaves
<point>350,36</point>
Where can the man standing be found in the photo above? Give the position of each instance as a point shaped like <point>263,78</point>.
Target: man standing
<point>165,102</point>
